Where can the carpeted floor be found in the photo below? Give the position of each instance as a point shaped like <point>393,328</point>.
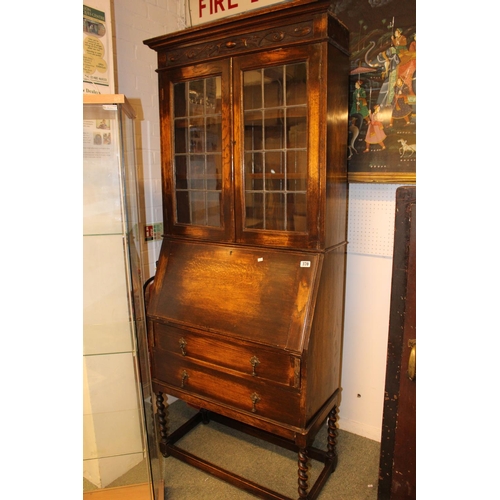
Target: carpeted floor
<point>355,478</point>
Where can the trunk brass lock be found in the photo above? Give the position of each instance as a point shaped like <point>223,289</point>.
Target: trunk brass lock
<point>412,361</point>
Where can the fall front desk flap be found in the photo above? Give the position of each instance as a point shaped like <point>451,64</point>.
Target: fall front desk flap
<point>258,294</point>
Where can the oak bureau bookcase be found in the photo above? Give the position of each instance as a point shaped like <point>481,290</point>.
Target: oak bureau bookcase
<point>245,312</point>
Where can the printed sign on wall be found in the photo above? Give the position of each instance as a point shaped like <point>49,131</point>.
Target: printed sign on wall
<point>203,11</point>
<point>98,75</point>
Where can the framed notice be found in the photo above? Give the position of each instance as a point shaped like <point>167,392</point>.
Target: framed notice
<point>97,48</point>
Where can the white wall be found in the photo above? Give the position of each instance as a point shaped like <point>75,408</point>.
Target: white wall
<point>371,218</point>
<point>136,21</point>
<point>368,289</point>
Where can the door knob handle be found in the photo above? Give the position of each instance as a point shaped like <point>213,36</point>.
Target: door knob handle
<point>183,344</point>
<point>255,399</point>
<point>254,361</point>
<point>185,376</point>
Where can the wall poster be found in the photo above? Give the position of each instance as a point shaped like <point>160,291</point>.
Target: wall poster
<point>98,75</point>
<point>383,89</point>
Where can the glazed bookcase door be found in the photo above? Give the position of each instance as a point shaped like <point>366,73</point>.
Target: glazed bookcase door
<point>195,116</point>
<point>276,120</point>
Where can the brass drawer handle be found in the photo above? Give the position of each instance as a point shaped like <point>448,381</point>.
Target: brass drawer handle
<point>183,344</point>
<point>255,399</point>
<point>412,361</point>
<point>230,45</point>
<point>254,361</point>
<point>185,376</point>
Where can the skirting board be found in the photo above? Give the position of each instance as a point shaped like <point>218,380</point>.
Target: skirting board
<point>366,431</point>
<point>134,492</point>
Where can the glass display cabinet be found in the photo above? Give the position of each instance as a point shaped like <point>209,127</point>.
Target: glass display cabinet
<point>120,448</point>
<point>246,308</point>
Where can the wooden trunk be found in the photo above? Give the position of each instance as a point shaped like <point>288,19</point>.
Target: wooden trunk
<point>397,479</point>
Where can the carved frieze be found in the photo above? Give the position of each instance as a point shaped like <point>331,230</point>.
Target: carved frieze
<point>236,44</point>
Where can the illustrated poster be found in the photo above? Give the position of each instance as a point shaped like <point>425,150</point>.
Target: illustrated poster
<point>383,88</point>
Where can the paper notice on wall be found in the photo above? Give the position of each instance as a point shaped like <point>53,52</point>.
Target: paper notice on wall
<point>97,50</point>
<point>203,11</point>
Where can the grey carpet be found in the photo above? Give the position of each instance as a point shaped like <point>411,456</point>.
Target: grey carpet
<point>355,478</point>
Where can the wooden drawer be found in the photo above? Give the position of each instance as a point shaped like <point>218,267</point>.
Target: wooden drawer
<point>274,365</point>
<point>242,392</point>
